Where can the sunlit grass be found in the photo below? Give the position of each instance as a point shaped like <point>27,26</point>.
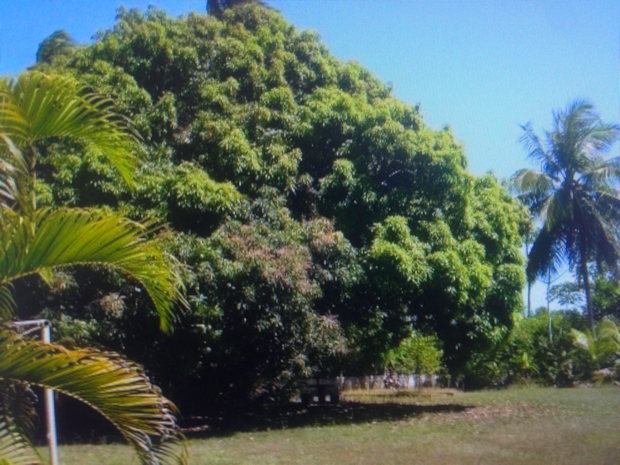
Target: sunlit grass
<point>526,426</point>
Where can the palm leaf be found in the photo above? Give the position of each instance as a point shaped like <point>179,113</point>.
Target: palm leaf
<point>532,188</point>
<point>14,176</point>
<point>546,254</point>
<point>609,329</point>
<point>599,233</point>
<point>69,237</point>
<point>582,340</point>
<point>16,423</point>
<point>608,203</point>
<point>110,384</point>
<point>7,302</point>
<point>537,152</point>
<point>17,406</point>
<point>601,172</point>
<point>35,107</point>
<point>15,448</point>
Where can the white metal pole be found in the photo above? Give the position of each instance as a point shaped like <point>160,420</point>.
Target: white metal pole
<point>50,411</point>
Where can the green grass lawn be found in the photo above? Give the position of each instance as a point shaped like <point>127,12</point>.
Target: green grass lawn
<point>537,426</point>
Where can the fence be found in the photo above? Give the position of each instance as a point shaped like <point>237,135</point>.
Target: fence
<point>347,383</point>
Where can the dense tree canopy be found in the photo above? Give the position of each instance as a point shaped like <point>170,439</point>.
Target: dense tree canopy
<point>319,219</point>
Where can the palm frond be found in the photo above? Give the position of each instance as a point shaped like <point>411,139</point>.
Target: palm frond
<point>582,339</point>
<point>597,231</point>
<point>601,173</point>
<point>580,135</point>
<point>556,209</point>
<point>113,386</point>
<point>573,127</point>
<point>35,107</point>
<point>17,406</point>
<point>546,254</point>
<point>14,176</point>
<point>601,137</point>
<point>602,345</point>
<point>609,329</point>
<point>7,302</point>
<point>532,188</point>
<point>537,152</point>
<point>16,414</point>
<point>608,203</point>
<point>15,448</point>
<point>69,237</point>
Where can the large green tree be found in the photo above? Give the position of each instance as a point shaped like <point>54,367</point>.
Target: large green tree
<point>574,195</point>
<point>37,242</point>
<point>265,154</point>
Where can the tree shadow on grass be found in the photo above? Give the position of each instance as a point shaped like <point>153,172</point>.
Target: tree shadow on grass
<point>78,424</point>
<point>295,415</point>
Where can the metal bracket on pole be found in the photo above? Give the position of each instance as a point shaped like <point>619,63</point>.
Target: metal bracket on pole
<point>50,411</point>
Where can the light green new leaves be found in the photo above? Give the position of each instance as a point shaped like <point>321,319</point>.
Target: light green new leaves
<point>397,257</point>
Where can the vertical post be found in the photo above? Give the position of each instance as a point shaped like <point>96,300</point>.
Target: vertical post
<point>549,305</point>
<point>50,411</point>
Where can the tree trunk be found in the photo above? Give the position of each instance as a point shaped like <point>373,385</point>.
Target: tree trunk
<point>550,327</point>
<point>529,298</point>
<point>529,283</point>
<point>585,276</point>
<point>586,286</point>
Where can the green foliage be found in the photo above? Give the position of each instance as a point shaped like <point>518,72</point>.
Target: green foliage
<point>602,347</point>
<point>396,259</point>
<point>55,46</point>
<point>538,349</point>
<point>218,7</point>
<point>415,354</point>
<point>606,297</point>
<point>554,349</point>
<point>542,349</point>
<point>317,218</point>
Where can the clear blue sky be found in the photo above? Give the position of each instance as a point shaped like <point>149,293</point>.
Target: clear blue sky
<point>483,67</point>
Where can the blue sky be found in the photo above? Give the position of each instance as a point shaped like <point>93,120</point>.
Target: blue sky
<point>482,67</point>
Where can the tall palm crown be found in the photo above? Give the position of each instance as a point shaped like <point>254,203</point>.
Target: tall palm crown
<point>34,241</point>
<point>574,194</point>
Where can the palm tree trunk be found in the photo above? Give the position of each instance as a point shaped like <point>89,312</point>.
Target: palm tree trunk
<point>550,327</point>
<point>529,283</point>
<point>529,298</point>
<point>585,275</point>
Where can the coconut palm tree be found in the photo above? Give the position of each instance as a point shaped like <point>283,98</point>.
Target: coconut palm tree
<point>33,241</point>
<point>574,195</point>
